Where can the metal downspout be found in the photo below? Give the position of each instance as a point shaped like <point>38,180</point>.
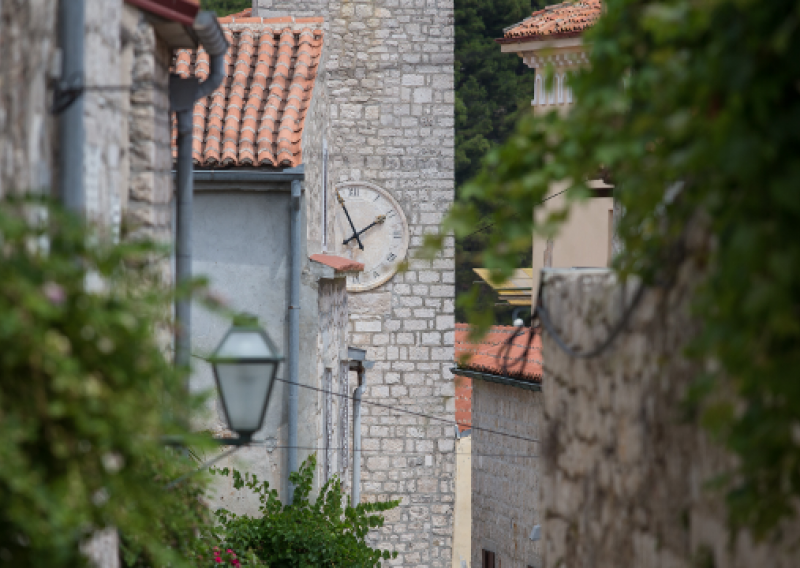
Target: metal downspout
<point>294,331</point>
<point>359,392</point>
<point>183,230</point>
<point>183,94</point>
<point>72,133</point>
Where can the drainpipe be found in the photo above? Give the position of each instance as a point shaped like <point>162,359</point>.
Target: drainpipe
<point>294,331</point>
<point>183,93</point>
<point>71,134</point>
<point>359,392</point>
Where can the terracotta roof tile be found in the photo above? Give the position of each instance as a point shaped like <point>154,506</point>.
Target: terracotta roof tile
<point>339,263</point>
<point>559,20</point>
<point>521,359</point>
<point>256,117</point>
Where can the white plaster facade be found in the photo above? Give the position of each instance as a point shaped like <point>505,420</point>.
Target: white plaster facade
<point>585,239</point>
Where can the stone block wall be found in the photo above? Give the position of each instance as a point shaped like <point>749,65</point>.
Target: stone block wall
<point>505,485</point>
<point>147,206</point>
<point>624,472</point>
<point>27,131</point>
<point>127,147</point>
<point>390,80</point>
<point>333,368</point>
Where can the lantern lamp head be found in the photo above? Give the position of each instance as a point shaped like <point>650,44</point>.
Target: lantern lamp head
<point>245,365</point>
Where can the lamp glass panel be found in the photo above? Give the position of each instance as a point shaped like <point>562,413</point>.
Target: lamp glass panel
<point>244,389</point>
<point>244,345</point>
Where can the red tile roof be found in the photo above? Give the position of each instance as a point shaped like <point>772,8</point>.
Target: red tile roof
<point>257,115</point>
<point>567,19</point>
<point>521,359</point>
<point>339,263</point>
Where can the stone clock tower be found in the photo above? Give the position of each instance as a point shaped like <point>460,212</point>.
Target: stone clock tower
<point>387,81</point>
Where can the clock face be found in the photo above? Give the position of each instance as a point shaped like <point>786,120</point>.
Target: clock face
<point>382,230</point>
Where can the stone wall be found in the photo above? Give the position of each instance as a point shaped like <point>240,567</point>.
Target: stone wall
<point>148,204</point>
<point>27,131</point>
<point>334,458</point>
<point>389,74</point>
<point>624,472</point>
<point>505,486</point>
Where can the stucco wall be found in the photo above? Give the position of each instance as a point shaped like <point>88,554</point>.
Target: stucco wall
<point>505,486</point>
<point>390,79</point>
<point>462,515</point>
<point>624,472</point>
<point>241,244</point>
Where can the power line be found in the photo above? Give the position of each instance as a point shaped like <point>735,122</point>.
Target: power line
<point>493,224</point>
<point>401,410</point>
<point>418,414</point>
<point>391,452</point>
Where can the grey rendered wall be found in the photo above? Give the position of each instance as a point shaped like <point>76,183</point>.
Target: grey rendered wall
<point>241,243</point>
<point>624,471</point>
<point>505,490</point>
<point>389,74</point>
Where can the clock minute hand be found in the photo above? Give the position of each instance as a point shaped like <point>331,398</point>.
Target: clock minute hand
<point>378,221</point>
<point>346,212</point>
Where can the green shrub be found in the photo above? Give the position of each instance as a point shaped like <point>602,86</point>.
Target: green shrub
<point>85,395</point>
<point>321,533</point>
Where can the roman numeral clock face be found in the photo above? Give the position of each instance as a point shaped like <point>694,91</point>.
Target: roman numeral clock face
<point>370,227</point>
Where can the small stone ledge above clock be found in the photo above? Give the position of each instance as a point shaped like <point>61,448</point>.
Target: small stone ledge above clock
<point>338,263</point>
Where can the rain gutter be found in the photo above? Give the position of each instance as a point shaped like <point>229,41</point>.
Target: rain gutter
<point>522,384</point>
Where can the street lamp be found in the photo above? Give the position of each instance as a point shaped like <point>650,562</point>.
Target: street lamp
<point>245,364</point>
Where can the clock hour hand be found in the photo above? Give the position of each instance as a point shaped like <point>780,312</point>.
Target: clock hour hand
<point>379,220</point>
<point>346,212</point>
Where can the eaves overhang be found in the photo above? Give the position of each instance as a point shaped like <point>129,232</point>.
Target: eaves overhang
<point>180,11</point>
<point>537,37</point>
<point>526,385</point>
<point>247,179</point>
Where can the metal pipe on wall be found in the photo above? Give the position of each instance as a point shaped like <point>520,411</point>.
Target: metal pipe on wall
<point>359,392</point>
<point>183,93</point>
<point>294,330</point>
<point>183,236</point>
<point>72,133</point>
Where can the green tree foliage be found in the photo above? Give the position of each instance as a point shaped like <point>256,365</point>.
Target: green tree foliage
<point>325,532</point>
<point>226,7</point>
<point>493,90</point>
<point>491,87</point>
<point>84,394</point>
<point>700,98</point>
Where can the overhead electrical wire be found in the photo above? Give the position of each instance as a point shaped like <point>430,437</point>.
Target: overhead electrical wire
<point>270,447</point>
<point>490,225</point>
<point>404,411</point>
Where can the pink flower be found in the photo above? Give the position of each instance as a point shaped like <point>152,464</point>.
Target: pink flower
<point>55,293</point>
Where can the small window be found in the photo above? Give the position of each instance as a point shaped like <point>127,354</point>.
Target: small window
<point>488,559</point>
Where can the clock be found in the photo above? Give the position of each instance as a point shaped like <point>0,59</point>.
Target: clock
<point>369,227</point>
